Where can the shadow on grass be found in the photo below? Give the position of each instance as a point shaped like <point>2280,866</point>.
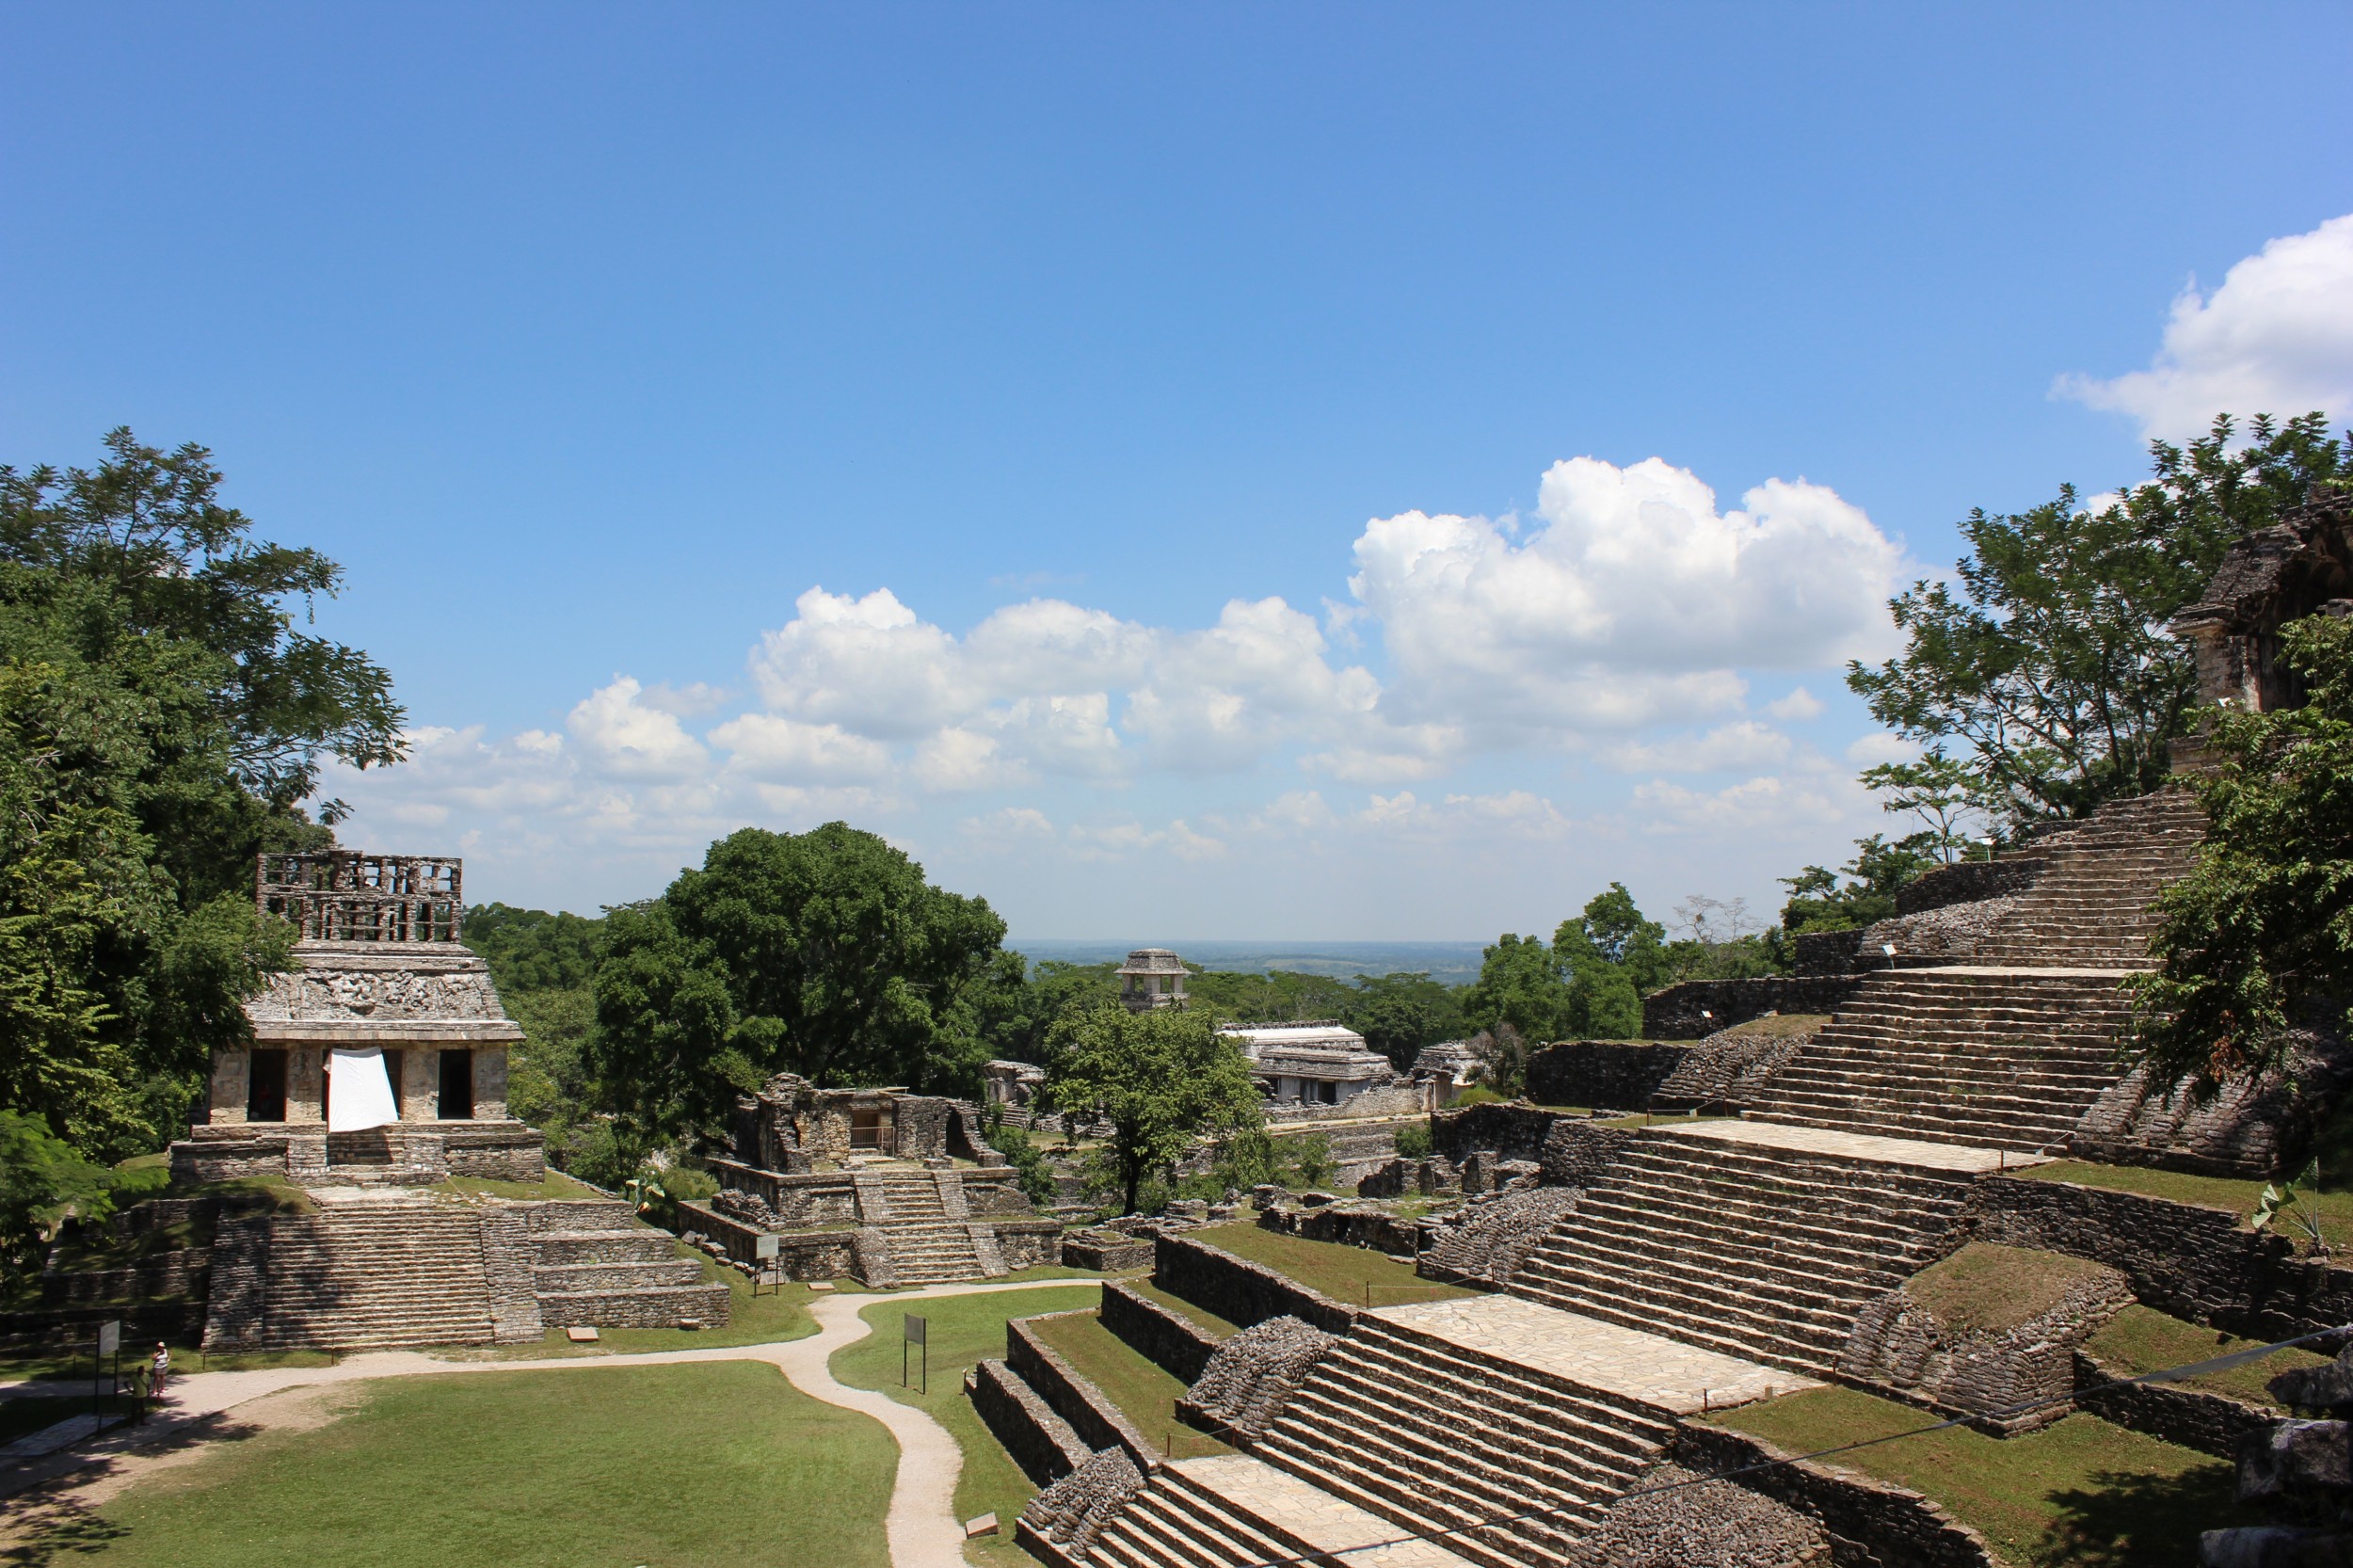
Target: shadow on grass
<point>2138,1521</point>
<point>55,1531</point>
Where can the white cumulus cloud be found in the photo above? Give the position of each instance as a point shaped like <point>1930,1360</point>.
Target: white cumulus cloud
<point>631,740</point>
<point>1630,600</point>
<point>2276,338</point>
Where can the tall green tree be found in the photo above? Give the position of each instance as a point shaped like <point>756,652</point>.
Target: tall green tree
<point>1819,902</point>
<point>1401,1013</point>
<point>2045,670</point>
<point>2258,939</point>
<point>163,718</point>
<point>824,953</point>
<point>1521,982</point>
<point>1161,1078</point>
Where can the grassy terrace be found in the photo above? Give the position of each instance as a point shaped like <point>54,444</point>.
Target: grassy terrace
<point>1356,1276</point>
<point>723,1461</point>
<point>964,1330</point>
<point>2335,1208</point>
<point>2140,1339</point>
<point>1209,1322</point>
<point>2078,1492</point>
<point>1143,1393</point>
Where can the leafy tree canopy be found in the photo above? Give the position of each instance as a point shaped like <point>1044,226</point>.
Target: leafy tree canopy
<point>2045,672</point>
<point>162,719</point>
<point>2259,937</point>
<point>1161,1078</point>
<point>824,953</point>
<point>1399,1014</point>
<point>1819,902</point>
<point>43,1179</point>
<point>534,949</point>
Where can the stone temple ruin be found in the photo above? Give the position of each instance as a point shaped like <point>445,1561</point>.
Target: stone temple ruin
<point>374,1075</point>
<point>879,1185</point>
<point>1639,1274</point>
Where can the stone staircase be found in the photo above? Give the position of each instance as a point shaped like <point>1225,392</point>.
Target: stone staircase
<point>922,1219</point>
<point>595,1263</point>
<point>377,1275</point>
<point>2091,906</point>
<point>2006,1059</point>
<point>1237,1512</point>
<point>1748,1249</point>
<point>1435,1436</point>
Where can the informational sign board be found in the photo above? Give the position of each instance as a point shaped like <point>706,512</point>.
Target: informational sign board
<point>765,1246</point>
<point>915,1331</point>
<point>110,1338</point>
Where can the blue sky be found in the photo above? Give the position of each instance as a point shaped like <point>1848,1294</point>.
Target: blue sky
<point>1116,451</point>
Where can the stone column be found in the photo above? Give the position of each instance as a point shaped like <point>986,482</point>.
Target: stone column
<point>225,1103</point>
<point>419,1083</point>
<point>304,1081</point>
<point>490,1084</point>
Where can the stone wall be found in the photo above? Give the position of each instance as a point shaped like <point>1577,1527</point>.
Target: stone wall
<point>1674,1014</point>
<point>1602,1073</point>
<point>1872,1521</point>
<point>1041,1442</point>
<point>507,1151</point>
<point>1515,1131</point>
<point>1108,1252</point>
<point>1091,1414</point>
<point>1059,1527</point>
<point>2254,1126</point>
<point>1238,1290</point>
<point>2210,1423</point>
<point>2190,1261</point>
<point>1244,1384</point>
<point>1727,1070</point>
<point>1170,1340</point>
<point>1028,1243</point>
<point>1967,882</point>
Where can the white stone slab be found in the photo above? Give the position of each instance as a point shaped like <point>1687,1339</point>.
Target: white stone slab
<point>1327,1522</point>
<point>1623,1361</point>
<point>1966,1157</point>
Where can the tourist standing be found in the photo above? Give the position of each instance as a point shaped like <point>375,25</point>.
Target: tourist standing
<point>159,1368</point>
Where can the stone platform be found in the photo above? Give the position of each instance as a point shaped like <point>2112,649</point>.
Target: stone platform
<point>1663,1373</point>
<point>1921,1154</point>
<point>1313,1518</point>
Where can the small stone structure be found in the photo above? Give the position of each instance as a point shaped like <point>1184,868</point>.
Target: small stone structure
<point>879,1185</point>
<point>1152,978</point>
<point>378,971</point>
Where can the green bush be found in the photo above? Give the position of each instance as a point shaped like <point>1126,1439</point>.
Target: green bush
<point>1022,1153</point>
<point>1479,1095</point>
<point>1413,1142</point>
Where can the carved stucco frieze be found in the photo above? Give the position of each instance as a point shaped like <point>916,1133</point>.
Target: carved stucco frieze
<point>319,994</point>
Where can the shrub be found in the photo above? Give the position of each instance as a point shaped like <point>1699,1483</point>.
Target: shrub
<point>1413,1141</point>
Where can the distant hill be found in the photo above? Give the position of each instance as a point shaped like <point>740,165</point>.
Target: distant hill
<point>1450,962</point>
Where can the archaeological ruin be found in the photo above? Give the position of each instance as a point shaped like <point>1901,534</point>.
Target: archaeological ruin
<point>1776,1192</point>
<point>876,1185</point>
<point>372,1095</point>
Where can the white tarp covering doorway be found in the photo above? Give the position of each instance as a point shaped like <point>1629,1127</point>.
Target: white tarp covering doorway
<point>361,1094</point>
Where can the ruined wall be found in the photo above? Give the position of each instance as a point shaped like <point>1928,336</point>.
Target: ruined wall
<point>1899,1341</point>
<point>1868,1520</point>
<point>1487,1247</point>
<point>2255,1126</point>
<point>2210,1423</point>
<point>1601,1073</point>
<point>1041,1442</point>
<point>1673,1013</point>
<point>1514,1131</point>
<point>1348,1223</point>
<point>1091,1414</point>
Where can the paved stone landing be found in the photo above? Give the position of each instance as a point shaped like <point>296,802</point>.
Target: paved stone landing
<point>1628,1362</point>
<point>2105,972</point>
<point>1317,1517</point>
<point>1855,1145</point>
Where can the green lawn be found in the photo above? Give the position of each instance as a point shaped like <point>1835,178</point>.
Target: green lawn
<point>1143,1393</point>
<point>2141,1340</point>
<point>2335,1209</point>
<point>962,1330</point>
<point>2079,1493</point>
<point>1208,1321</point>
<point>1340,1272</point>
<point>666,1466</point>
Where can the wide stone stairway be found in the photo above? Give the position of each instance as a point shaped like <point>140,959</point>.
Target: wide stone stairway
<point>1487,1433</point>
<point>2091,907</point>
<point>930,1244</point>
<point>1754,1240</point>
<point>2002,1058</point>
<point>593,1262</point>
<point>384,1274</point>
